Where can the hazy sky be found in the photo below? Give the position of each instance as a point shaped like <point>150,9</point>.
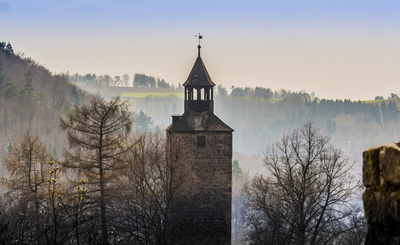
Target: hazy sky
<point>335,48</point>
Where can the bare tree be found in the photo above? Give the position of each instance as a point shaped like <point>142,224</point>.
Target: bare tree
<point>98,137</point>
<point>149,184</point>
<point>307,198</point>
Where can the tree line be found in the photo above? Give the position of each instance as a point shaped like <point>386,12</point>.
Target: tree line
<point>353,125</point>
<point>264,93</point>
<point>139,80</point>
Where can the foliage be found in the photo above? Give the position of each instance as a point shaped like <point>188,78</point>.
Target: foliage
<point>162,83</point>
<point>142,80</point>
<point>6,48</point>
<point>28,89</point>
<point>263,93</point>
<point>241,92</point>
<point>266,93</point>
<point>143,121</point>
<point>221,91</point>
<point>139,80</point>
<point>62,104</point>
<point>393,97</point>
<point>11,91</point>
<point>75,96</point>
<point>1,77</point>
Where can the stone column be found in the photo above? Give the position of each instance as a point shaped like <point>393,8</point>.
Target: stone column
<point>381,177</point>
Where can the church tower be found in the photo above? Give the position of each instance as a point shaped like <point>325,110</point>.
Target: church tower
<point>203,214</point>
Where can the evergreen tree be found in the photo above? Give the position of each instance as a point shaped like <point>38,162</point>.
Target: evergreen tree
<point>143,121</point>
<point>2,78</point>
<point>11,91</point>
<point>28,89</point>
<point>75,96</point>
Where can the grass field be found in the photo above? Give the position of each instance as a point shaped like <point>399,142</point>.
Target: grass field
<point>144,95</point>
<point>380,101</point>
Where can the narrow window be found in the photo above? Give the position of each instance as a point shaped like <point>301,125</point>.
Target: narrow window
<point>201,141</point>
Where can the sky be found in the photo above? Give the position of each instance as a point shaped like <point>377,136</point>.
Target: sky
<point>339,49</point>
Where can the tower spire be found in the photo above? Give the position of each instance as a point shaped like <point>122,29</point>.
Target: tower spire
<point>199,47</point>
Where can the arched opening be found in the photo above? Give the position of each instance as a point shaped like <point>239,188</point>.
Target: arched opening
<point>194,94</point>
<point>207,96</point>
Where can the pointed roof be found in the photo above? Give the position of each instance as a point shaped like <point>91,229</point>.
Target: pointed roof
<point>199,75</point>
<point>192,121</point>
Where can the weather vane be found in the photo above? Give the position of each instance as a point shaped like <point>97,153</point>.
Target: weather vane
<point>200,37</point>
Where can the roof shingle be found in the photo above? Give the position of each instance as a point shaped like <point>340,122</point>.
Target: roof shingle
<point>199,75</point>
<point>192,121</point>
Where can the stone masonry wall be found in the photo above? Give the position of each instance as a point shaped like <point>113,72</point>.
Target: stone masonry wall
<point>203,215</point>
<point>381,177</point>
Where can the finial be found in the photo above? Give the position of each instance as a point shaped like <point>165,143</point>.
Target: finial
<point>199,47</point>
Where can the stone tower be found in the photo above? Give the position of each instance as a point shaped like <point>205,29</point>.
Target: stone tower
<point>203,214</point>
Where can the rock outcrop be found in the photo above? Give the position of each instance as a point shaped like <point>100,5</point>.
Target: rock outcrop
<point>381,177</point>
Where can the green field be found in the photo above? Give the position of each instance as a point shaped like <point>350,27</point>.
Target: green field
<point>144,95</point>
<point>380,101</point>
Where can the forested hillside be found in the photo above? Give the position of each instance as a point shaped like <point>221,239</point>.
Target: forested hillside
<point>32,99</point>
<point>258,122</point>
<point>260,115</point>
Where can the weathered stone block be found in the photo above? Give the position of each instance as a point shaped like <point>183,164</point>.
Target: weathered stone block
<point>371,172</point>
<point>381,205</point>
<point>389,164</point>
<point>381,176</point>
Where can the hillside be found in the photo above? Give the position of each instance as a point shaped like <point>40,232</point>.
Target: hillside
<point>261,116</point>
<point>353,125</point>
<point>32,99</point>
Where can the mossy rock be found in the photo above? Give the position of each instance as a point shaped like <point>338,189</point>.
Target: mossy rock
<point>371,171</point>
